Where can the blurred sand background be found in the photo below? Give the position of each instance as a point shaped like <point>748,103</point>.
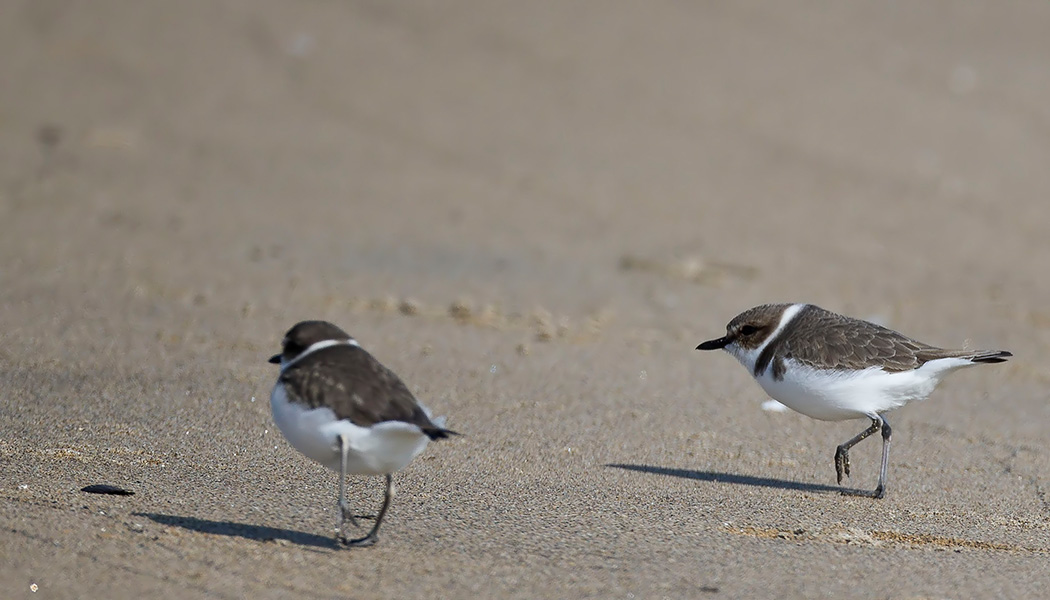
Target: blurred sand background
<point>533,212</point>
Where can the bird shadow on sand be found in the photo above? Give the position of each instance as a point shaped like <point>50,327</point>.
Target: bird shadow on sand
<point>243,530</point>
<point>735,479</point>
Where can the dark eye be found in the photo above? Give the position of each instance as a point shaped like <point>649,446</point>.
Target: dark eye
<point>748,329</point>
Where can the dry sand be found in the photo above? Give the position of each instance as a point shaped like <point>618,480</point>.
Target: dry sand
<point>532,211</point>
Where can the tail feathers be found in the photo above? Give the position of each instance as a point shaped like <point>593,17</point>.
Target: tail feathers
<point>437,433</point>
<point>993,356</point>
<point>435,428</point>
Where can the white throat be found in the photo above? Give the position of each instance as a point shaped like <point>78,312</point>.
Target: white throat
<point>749,356</point>
<point>314,347</point>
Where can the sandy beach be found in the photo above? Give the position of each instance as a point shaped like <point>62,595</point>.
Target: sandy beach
<point>532,212</point>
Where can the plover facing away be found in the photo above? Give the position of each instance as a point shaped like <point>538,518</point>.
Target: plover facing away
<point>337,404</point>
<point>833,368</point>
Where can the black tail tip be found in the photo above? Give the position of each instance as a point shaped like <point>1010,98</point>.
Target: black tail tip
<point>440,434</point>
<point>993,357</point>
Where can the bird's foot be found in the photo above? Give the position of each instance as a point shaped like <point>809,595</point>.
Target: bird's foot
<point>841,463</point>
<point>877,493</point>
<point>364,542</point>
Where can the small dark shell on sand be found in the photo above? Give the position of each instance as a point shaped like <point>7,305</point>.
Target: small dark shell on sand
<point>107,489</point>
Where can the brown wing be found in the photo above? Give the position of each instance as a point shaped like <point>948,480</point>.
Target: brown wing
<point>355,386</point>
<point>830,340</point>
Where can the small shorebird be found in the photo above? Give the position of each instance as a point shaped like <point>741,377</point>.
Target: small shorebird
<point>833,368</point>
<point>337,404</point>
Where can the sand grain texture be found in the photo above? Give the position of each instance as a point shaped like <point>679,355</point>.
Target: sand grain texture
<point>532,212</point>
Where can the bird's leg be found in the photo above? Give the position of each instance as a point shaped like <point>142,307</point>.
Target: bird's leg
<point>372,538</point>
<point>842,452</point>
<point>344,508</point>
<point>880,490</point>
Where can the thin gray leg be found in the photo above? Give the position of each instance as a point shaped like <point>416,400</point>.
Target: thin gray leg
<point>842,456</point>
<point>344,508</point>
<point>372,537</point>
<point>880,491</point>
<point>842,452</point>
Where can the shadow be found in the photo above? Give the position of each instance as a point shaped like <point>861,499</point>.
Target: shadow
<point>243,530</point>
<point>716,477</point>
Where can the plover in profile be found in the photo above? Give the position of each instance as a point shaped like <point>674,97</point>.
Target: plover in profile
<point>833,368</point>
<point>336,403</point>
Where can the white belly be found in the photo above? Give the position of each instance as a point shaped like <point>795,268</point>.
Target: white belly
<point>841,395</point>
<point>382,448</point>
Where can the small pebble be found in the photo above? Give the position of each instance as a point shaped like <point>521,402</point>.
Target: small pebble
<point>460,309</point>
<point>409,307</point>
<point>107,489</point>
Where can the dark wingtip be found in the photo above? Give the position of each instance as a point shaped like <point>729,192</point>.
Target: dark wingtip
<point>275,359</point>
